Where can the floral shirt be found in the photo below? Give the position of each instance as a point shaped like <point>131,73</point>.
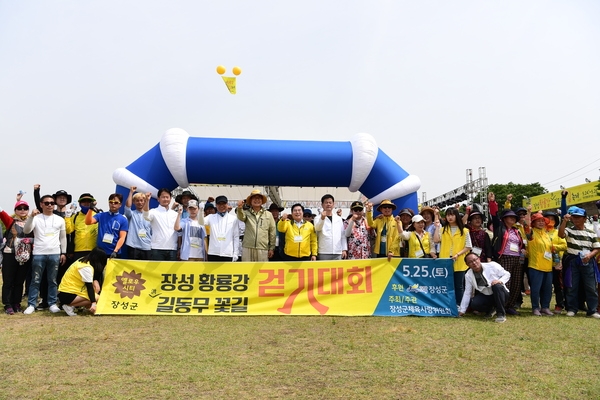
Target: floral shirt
<point>359,243</point>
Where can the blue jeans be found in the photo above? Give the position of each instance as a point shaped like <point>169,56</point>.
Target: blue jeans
<point>459,285</point>
<point>585,275</point>
<point>540,284</point>
<point>38,265</point>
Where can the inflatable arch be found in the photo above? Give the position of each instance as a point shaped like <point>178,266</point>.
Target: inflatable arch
<point>359,164</point>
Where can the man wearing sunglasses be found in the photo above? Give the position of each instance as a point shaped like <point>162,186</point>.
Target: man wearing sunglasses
<point>112,226</point>
<point>48,252</point>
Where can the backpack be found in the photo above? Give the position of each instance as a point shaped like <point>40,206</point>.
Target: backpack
<point>23,248</point>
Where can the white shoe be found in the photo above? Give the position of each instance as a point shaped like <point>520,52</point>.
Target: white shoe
<point>595,315</point>
<point>570,314</point>
<point>29,310</point>
<point>54,308</point>
<point>69,310</point>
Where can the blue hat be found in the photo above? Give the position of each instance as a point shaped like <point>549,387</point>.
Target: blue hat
<point>307,211</point>
<point>577,211</point>
<point>209,205</point>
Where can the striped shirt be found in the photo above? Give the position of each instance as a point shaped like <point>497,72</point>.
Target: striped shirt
<point>580,239</point>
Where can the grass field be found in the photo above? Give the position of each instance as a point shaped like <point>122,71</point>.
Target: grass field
<point>47,356</point>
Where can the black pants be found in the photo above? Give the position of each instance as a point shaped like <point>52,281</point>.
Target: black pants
<point>137,254</point>
<point>212,257</point>
<point>290,258</point>
<point>13,276</point>
<point>486,303</point>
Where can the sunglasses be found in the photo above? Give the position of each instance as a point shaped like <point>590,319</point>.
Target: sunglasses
<point>48,203</point>
<point>22,208</point>
<point>114,202</point>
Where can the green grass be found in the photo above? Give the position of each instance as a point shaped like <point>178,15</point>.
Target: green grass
<point>47,356</point>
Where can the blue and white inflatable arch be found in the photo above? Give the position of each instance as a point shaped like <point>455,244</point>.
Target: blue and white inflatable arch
<point>359,164</point>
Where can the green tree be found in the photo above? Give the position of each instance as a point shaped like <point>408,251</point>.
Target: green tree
<point>518,191</point>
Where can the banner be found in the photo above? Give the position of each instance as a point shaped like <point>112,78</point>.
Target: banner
<point>409,286</point>
<point>577,195</point>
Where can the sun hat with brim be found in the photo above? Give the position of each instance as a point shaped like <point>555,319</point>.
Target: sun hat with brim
<point>386,202</point>
<point>537,216</point>
<point>179,197</point>
<point>427,209</point>
<point>510,213</point>
<point>474,214</point>
<point>63,193</point>
<point>21,203</point>
<point>553,215</point>
<point>86,197</point>
<point>417,218</point>
<point>274,206</point>
<point>406,211</point>
<point>256,192</point>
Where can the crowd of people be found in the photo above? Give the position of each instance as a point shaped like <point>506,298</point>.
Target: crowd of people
<point>58,251</point>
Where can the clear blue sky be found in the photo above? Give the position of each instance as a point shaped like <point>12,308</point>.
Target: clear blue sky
<point>87,87</point>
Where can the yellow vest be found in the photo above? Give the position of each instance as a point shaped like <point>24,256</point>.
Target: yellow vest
<point>414,246</point>
<point>72,281</point>
<point>452,244</point>
<point>539,245</point>
<point>392,236</point>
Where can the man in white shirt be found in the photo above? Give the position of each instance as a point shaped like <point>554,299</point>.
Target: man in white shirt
<point>162,220</point>
<point>485,288</point>
<point>48,252</point>
<point>224,233</point>
<point>330,232</point>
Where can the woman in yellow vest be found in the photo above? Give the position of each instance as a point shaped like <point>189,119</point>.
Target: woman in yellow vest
<point>455,243</point>
<point>539,250</point>
<point>420,244</point>
<point>80,285</point>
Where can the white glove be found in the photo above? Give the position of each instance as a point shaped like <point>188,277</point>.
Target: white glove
<point>68,212</point>
<point>235,258</point>
<point>201,205</point>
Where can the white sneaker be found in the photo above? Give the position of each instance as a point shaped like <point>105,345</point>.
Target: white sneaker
<point>54,308</point>
<point>570,314</point>
<point>594,315</point>
<point>69,310</point>
<point>29,310</point>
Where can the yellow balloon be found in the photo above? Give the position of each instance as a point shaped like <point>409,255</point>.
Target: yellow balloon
<point>220,70</point>
<point>237,70</point>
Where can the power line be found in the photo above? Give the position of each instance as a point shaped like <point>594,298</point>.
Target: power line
<point>571,173</point>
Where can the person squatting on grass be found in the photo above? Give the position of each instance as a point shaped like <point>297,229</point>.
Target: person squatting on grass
<point>485,288</point>
<point>80,286</point>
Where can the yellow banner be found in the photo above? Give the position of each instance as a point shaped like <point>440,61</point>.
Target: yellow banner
<point>348,287</point>
<point>577,195</point>
<point>230,82</point>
